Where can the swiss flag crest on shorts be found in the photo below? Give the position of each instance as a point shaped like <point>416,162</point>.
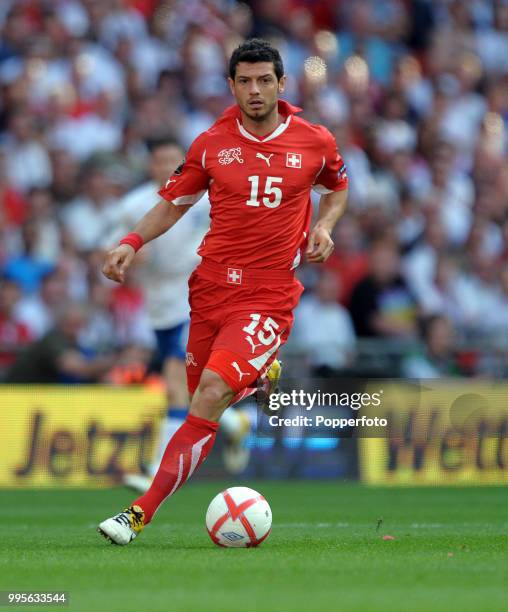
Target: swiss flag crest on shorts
<point>234,276</point>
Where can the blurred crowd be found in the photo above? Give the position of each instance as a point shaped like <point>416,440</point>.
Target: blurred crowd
<point>415,92</point>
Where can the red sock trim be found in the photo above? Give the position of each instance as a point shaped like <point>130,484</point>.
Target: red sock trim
<point>184,454</point>
<point>202,423</point>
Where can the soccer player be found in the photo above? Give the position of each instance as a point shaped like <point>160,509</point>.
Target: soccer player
<point>259,162</point>
<point>164,276</point>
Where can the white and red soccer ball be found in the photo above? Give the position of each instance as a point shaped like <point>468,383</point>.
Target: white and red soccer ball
<point>239,517</point>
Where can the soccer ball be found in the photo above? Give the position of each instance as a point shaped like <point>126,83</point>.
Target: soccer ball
<point>238,517</point>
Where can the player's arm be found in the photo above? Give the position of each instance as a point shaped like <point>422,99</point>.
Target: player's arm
<point>331,208</point>
<point>185,187</point>
<point>157,221</point>
<point>332,183</point>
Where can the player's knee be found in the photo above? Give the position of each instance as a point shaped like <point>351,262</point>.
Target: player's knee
<point>212,387</point>
<point>212,396</point>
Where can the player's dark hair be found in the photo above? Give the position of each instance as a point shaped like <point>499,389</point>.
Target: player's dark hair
<point>256,50</point>
<point>168,141</point>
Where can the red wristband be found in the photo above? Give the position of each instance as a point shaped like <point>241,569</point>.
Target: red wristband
<point>134,240</point>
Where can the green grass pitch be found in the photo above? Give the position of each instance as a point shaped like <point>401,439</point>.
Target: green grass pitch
<point>325,552</point>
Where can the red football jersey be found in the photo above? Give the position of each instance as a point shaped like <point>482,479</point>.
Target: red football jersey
<point>259,189</point>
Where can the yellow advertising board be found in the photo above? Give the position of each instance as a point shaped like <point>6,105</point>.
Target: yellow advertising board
<point>437,433</point>
<point>88,436</point>
<point>76,436</point>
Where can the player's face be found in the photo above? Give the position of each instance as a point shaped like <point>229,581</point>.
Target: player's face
<point>256,89</point>
<point>164,160</point>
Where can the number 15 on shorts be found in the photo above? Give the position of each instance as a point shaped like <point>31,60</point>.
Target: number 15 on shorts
<point>266,335</point>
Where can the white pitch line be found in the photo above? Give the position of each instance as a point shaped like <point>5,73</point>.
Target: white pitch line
<point>320,525</point>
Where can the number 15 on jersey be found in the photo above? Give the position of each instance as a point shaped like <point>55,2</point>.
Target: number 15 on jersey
<point>272,195</point>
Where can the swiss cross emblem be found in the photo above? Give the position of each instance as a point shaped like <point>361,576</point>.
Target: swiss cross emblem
<point>294,160</point>
<point>234,276</point>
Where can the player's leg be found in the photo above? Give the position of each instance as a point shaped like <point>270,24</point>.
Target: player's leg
<point>234,424</point>
<point>125,526</point>
<point>230,368</point>
<point>191,444</point>
<point>187,449</point>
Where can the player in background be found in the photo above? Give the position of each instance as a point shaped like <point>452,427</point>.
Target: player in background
<point>259,162</point>
<point>164,269</point>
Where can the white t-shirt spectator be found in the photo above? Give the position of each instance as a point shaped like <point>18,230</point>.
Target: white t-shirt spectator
<point>27,164</point>
<point>325,331</point>
<point>35,314</point>
<point>419,268</point>
<point>88,223</point>
<point>86,135</point>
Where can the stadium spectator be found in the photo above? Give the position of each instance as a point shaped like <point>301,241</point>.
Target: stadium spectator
<point>419,264</point>
<point>448,294</point>
<point>38,311</point>
<point>42,212</point>
<point>57,357</point>
<point>13,333</point>
<point>436,359</point>
<point>381,304</point>
<point>498,316</point>
<point>99,335</point>
<point>323,329</point>
<point>65,175</point>
<point>12,204</point>
<point>349,260</point>
<point>130,318</point>
<point>27,267</point>
<point>27,162</point>
<point>89,216</point>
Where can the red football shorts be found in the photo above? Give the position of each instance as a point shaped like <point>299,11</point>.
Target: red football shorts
<point>239,320</point>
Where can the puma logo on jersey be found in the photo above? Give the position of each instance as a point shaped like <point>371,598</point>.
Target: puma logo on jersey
<point>252,343</point>
<point>170,181</point>
<point>228,156</point>
<point>267,159</point>
<point>240,373</point>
